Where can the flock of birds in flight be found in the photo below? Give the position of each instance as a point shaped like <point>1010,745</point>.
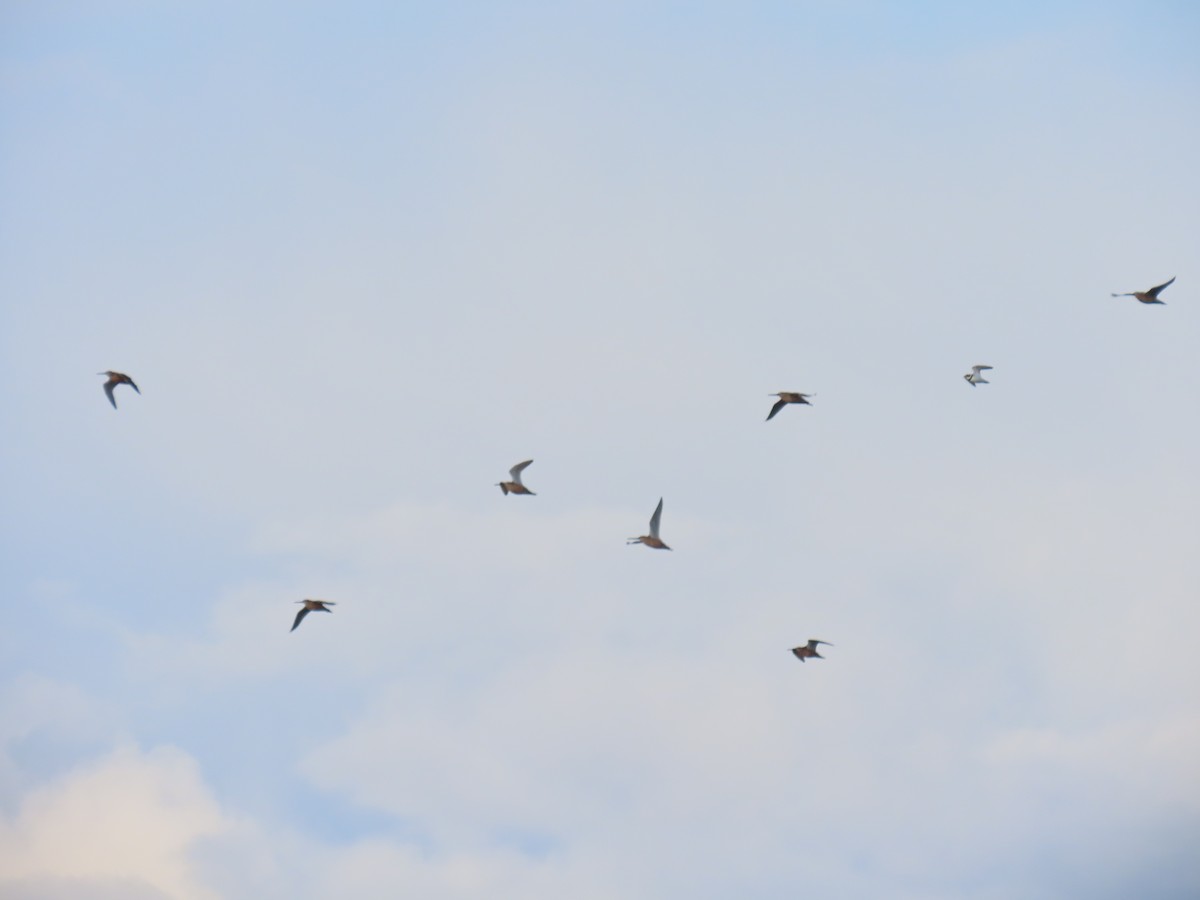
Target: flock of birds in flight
<point>652,540</point>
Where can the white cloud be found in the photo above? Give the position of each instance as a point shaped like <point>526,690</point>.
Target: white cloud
<point>125,822</point>
<point>35,707</point>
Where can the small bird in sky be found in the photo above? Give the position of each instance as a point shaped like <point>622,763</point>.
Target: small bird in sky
<point>810,649</point>
<point>1150,296</point>
<point>515,486</point>
<point>310,606</point>
<point>785,398</point>
<point>652,539</point>
<point>115,378</point>
<point>973,377</point>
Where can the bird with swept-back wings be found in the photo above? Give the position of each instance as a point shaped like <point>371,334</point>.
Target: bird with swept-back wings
<point>785,398</point>
<point>115,378</point>
<point>515,486</point>
<point>1150,296</point>
<point>652,539</point>
<point>809,649</point>
<point>973,377</point>
<point>311,606</point>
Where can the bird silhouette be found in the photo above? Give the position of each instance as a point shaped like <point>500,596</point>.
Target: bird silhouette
<point>115,378</point>
<point>1150,296</point>
<point>785,398</point>
<point>810,649</point>
<point>310,606</point>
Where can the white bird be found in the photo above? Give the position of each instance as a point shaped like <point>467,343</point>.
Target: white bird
<point>515,486</point>
<point>974,378</point>
<point>652,539</point>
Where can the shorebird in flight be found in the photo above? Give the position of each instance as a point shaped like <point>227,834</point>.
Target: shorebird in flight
<point>1150,296</point>
<point>309,606</point>
<point>785,398</point>
<point>652,539</point>
<point>973,377</point>
<point>810,649</point>
<point>515,486</point>
<point>115,378</point>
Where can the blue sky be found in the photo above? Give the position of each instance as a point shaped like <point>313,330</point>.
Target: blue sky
<point>363,258</point>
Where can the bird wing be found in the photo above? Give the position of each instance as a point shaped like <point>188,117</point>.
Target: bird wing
<point>300,617</point>
<point>1153,292</point>
<point>656,518</point>
<point>978,369</point>
<point>132,385</point>
<point>516,470</point>
<point>108,389</point>
<point>779,404</point>
<point>812,643</point>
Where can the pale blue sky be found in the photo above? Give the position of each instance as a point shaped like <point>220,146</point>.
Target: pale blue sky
<point>361,258</point>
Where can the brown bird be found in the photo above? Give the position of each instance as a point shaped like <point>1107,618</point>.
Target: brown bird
<point>310,606</point>
<point>810,649</point>
<point>1150,296</point>
<point>115,378</point>
<point>652,539</point>
<point>785,398</point>
<point>515,486</point>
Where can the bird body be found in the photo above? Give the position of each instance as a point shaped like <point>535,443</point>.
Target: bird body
<point>973,377</point>
<point>786,397</point>
<point>809,649</point>
<point>515,486</point>
<point>311,606</point>
<point>1150,296</point>
<point>115,378</point>
<point>652,539</point>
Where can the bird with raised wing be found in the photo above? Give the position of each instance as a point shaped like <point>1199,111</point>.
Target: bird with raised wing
<point>115,378</point>
<point>785,398</point>
<point>1150,296</point>
<point>652,539</point>
<point>809,649</point>
<point>311,606</point>
<point>515,486</point>
<point>973,377</point>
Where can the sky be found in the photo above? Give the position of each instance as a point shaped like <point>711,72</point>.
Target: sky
<point>361,258</point>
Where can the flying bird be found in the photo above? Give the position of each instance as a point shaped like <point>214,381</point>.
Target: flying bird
<point>310,606</point>
<point>810,649</point>
<point>974,378</point>
<point>515,486</point>
<point>115,378</point>
<point>785,398</point>
<point>1150,296</point>
<point>652,539</point>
